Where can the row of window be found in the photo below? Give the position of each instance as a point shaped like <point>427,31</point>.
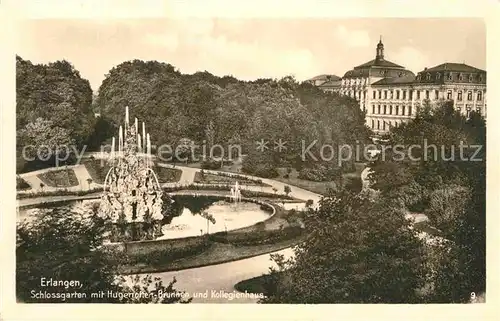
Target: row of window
<point>449,76</point>
<point>389,94</point>
<point>469,95</point>
<point>387,110</point>
<point>383,124</point>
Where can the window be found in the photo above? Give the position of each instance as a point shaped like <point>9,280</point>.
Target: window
<point>450,76</point>
<point>403,110</point>
<point>378,124</point>
<point>419,77</point>
<point>373,109</point>
<point>479,96</point>
<point>397,94</point>
<point>373,124</point>
<point>460,77</point>
<point>390,110</point>
<point>404,94</point>
<point>385,109</point>
<point>409,110</point>
<point>374,94</point>
<point>397,110</point>
<point>449,95</point>
<point>391,94</point>
<point>436,93</point>
<point>470,78</point>
<point>380,94</point>
<point>378,109</point>
<point>438,76</point>
<point>411,94</point>
<point>469,95</point>
<point>426,94</point>
<point>418,94</point>
<point>480,78</point>
<point>428,77</point>
<point>383,124</point>
<point>459,97</point>
<point>385,94</point>
<point>478,110</point>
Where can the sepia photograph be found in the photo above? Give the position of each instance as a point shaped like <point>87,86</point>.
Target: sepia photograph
<point>251,160</point>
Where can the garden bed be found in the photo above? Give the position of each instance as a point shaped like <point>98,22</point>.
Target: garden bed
<point>59,178</point>
<point>167,175</point>
<point>223,178</point>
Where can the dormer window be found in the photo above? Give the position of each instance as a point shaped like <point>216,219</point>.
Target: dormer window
<point>438,76</point>
<point>460,77</point>
<point>470,78</point>
<point>480,77</point>
<point>428,77</point>
<point>400,74</point>
<point>419,77</point>
<point>450,76</point>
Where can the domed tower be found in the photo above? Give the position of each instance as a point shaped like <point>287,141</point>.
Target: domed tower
<point>380,50</point>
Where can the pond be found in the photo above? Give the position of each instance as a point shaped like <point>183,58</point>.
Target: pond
<point>185,217</point>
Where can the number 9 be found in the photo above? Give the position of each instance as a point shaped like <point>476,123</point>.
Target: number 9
<point>472,295</point>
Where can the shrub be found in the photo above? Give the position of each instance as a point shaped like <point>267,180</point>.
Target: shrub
<point>210,164</point>
<point>320,173</point>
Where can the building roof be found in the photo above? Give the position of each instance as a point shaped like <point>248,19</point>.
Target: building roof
<point>379,63</point>
<point>324,77</point>
<point>453,66</point>
<point>408,79</point>
<point>331,83</point>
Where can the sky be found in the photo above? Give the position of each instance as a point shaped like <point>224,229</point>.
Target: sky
<point>252,48</point>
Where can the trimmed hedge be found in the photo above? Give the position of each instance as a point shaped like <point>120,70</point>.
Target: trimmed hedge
<point>63,192</point>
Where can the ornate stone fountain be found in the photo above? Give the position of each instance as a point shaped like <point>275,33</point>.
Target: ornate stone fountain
<point>132,195</point>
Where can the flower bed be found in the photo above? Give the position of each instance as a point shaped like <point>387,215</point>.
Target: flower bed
<point>59,178</point>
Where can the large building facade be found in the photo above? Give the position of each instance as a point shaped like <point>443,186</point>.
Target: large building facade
<point>391,94</point>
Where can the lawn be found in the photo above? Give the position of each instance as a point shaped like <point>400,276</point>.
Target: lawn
<point>59,178</point>
<point>21,184</point>
<point>98,169</point>
<point>319,187</point>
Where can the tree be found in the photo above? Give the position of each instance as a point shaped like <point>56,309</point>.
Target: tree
<point>287,190</point>
<point>89,182</point>
<point>67,244</point>
<point>309,203</point>
<point>357,251</point>
<point>210,219</point>
<point>42,185</point>
<point>449,190</point>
